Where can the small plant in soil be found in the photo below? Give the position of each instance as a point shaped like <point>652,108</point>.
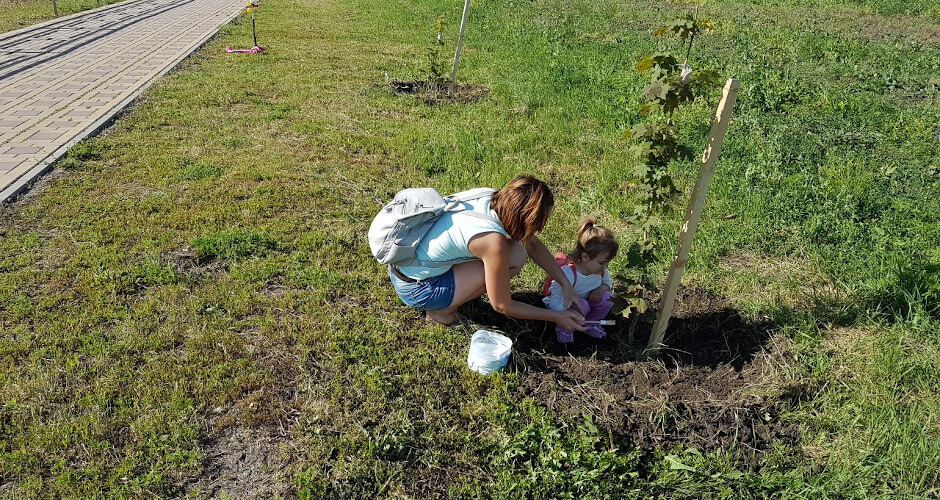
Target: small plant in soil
<point>435,88</point>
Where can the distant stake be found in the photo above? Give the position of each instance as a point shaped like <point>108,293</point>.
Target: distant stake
<point>693,213</point>
<point>55,9</point>
<point>257,49</point>
<point>254,33</point>
<point>463,24</point>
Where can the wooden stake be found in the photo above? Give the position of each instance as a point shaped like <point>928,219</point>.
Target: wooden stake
<point>693,213</point>
<point>463,24</point>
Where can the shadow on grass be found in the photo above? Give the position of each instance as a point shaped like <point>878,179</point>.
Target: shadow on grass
<point>722,383</point>
<point>704,331</point>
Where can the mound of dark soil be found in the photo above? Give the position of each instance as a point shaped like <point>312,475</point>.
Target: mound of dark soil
<point>436,93</point>
<point>722,383</point>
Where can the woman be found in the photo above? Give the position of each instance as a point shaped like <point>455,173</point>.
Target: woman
<point>495,249</point>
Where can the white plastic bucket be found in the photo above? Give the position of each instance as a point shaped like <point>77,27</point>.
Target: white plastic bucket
<point>489,351</point>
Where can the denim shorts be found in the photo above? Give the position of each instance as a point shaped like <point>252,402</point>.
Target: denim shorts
<point>426,295</point>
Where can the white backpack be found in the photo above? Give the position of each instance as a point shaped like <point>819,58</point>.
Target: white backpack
<point>399,227</point>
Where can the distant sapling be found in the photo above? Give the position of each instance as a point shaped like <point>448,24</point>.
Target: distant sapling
<point>436,66</point>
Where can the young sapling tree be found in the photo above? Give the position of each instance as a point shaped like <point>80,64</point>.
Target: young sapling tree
<point>655,142</point>
<point>436,66</point>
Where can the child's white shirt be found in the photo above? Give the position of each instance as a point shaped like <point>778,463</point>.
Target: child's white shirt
<point>583,286</point>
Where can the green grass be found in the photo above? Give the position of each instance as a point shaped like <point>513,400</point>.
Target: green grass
<point>120,359</point>
<point>16,14</point>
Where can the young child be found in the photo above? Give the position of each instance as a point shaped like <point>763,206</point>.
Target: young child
<point>587,271</point>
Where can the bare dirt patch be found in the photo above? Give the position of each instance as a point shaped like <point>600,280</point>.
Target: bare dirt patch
<point>188,262</point>
<point>248,453</point>
<point>724,383</point>
<point>246,463</point>
<point>435,93</point>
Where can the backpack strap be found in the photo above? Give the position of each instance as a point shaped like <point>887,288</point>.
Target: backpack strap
<point>562,263</point>
<point>472,194</point>
<point>455,207</point>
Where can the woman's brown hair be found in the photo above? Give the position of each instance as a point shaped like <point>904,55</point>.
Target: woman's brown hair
<point>523,206</point>
<point>594,240</point>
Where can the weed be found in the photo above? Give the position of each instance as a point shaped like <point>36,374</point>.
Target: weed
<point>199,171</point>
<point>233,244</point>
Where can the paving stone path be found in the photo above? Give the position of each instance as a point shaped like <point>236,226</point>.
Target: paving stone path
<point>62,80</point>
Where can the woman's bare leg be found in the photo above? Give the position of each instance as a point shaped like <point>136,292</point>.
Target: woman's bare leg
<point>469,283</point>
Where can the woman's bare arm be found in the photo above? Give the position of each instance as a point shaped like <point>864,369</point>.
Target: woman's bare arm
<point>542,256</point>
<point>494,250</point>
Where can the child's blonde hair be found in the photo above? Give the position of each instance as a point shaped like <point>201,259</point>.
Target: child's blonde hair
<point>594,240</point>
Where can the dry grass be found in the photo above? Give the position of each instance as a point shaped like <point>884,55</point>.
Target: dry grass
<point>787,281</point>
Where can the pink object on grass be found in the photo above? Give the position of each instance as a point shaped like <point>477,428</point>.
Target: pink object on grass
<point>254,50</point>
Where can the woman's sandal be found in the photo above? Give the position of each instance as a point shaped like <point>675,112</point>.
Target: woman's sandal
<point>461,322</point>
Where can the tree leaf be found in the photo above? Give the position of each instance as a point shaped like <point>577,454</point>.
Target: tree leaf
<point>675,464</point>
<point>620,304</point>
<point>641,305</point>
<point>653,90</point>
